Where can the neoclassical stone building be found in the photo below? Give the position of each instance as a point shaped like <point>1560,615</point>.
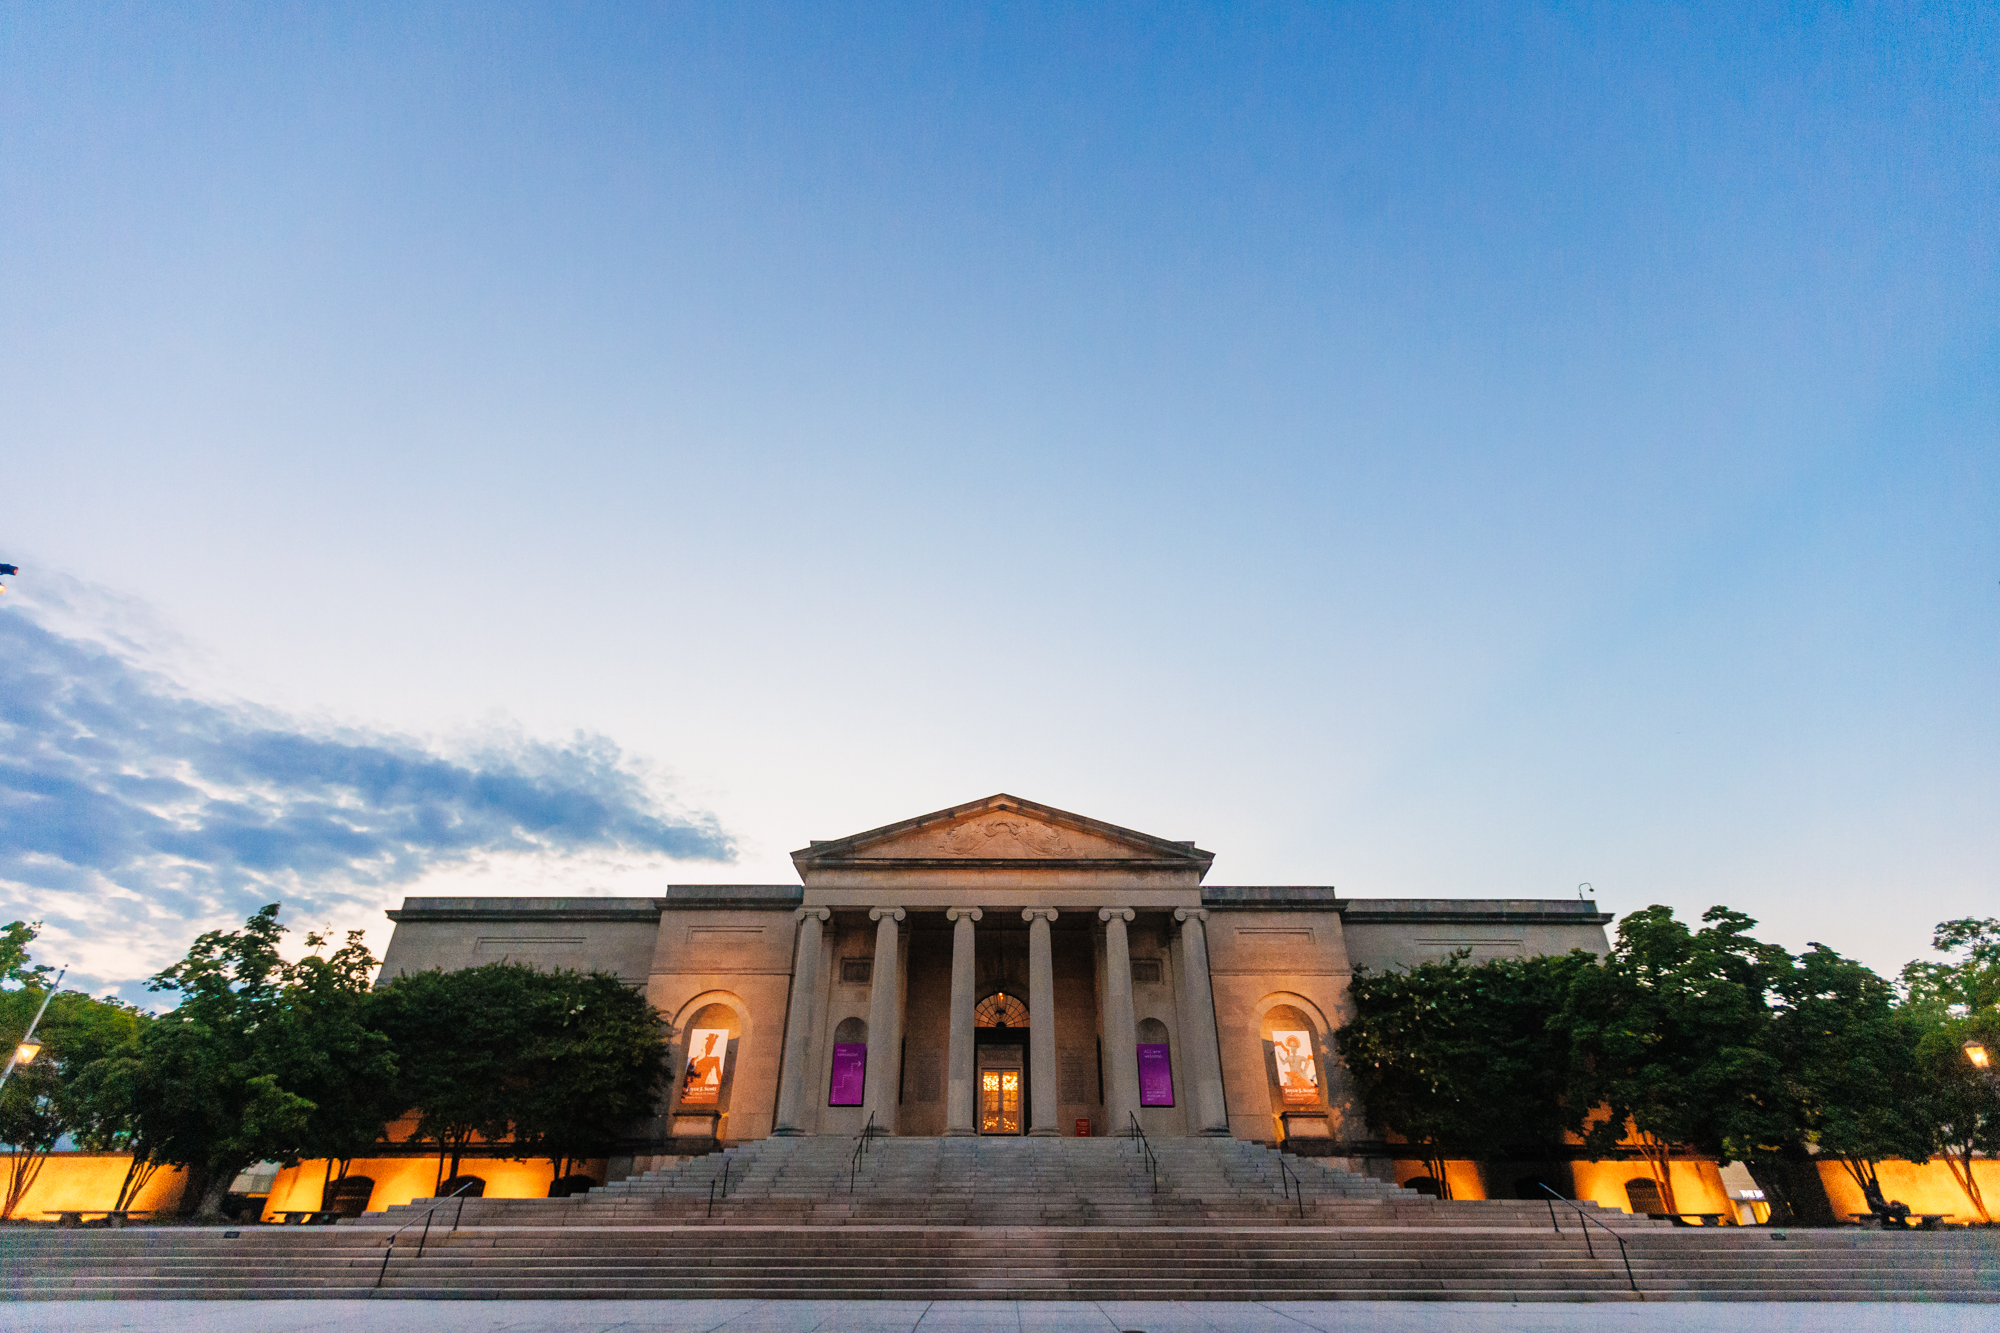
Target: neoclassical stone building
<point>998,967</point>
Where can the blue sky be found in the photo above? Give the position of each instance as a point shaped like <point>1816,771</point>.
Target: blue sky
<point>1434,451</point>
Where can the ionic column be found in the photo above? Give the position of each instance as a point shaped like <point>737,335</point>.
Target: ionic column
<point>1041,1022</point>
<point>1121,1028</point>
<point>1208,1114</point>
<point>885,1024</point>
<point>958,1111</point>
<point>793,1077</point>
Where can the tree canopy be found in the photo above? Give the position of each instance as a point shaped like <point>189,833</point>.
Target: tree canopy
<point>1686,1041</point>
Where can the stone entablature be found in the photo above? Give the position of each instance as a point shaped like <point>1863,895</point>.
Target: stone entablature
<point>852,993</point>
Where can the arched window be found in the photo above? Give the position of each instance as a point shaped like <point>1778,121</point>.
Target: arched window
<point>1000,1010</point>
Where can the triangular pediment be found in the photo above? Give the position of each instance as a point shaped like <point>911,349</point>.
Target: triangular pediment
<point>1001,828</point>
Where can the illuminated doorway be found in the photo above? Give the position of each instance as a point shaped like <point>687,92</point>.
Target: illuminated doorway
<point>1000,1088</point>
<point>1000,1035</point>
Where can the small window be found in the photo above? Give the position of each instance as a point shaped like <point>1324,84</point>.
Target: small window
<point>857,969</point>
<point>1145,971</point>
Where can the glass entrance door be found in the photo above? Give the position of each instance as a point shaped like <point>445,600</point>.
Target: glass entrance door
<point>1003,1081</point>
<point>1000,1101</point>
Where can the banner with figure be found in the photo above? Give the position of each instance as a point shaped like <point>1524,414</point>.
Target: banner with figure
<point>707,1049</point>
<point>1298,1076</point>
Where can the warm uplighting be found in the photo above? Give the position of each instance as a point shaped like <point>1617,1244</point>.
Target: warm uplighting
<point>25,1053</point>
<point>1977,1054</point>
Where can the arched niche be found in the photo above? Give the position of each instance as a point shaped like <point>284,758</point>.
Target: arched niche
<point>1297,1050</point>
<point>847,1079</point>
<point>710,1032</point>
<point>1156,1065</point>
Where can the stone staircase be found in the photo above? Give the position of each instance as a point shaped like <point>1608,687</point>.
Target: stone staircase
<point>999,1182</point>
<point>943,1219</point>
<point>1044,1263</point>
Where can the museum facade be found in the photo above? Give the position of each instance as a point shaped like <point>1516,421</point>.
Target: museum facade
<point>1000,967</point>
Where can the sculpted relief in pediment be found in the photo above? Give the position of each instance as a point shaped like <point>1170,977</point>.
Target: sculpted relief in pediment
<point>1005,836</point>
<point>999,835</point>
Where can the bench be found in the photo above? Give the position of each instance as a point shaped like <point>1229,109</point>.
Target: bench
<point>1914,1221</point>
<point>76,1217</point>
<point>308,1217</point>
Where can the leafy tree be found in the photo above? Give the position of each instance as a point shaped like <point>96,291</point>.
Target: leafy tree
<point>1463,1059</point>
<point>1849,1060</point>
<point>1963,1104</point>
<point>1956,1002</point>
<point>46,1099</point>
<point>1966,985</point>
<point>15,937</point>
<point>262,1059</point>
<point>1670,1038</point>
<point>594,1064</point>
<point>554,1063</point>
<point>460,1039</point>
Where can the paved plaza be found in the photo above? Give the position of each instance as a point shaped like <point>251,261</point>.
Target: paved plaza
<point>979,1317</point>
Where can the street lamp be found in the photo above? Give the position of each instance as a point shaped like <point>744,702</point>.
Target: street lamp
<point>1979,1055</point>
<point>28,1048</point>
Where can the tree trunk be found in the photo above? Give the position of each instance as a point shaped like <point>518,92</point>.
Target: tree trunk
<point>221,1176</point>
<point>1794,1190</point>
<point>1961,1171</point>
<point>330,1180</point>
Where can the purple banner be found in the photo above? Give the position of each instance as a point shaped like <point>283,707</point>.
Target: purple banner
<point>850,1073</point>
<point>1156,1075</point>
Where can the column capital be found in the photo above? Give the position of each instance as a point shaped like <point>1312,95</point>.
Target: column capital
<point>817,913</point>
<point>1045,913</point>
<point>893,913</point>
<point>1122,913</point>
<point>963,913</point>
<point>1185,914</point>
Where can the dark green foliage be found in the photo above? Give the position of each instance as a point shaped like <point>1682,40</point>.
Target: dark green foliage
<point>1690,1041</point>
<point>1967,985</point>
<point>595,1065</point>
<point>559,1063</point>
<point>1461,1059</point>
<point>47,1099</point>
<point>1670,1037</point>
<point>262,1059</point>
<point>1849,1062</point>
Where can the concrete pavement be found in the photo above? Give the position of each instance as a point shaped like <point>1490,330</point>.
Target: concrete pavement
<point>392,1316</point>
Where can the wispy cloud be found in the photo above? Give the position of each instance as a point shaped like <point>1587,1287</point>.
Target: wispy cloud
<point>133,812</point>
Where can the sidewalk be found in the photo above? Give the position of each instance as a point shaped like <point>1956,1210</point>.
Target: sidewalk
<point>979,1317</point>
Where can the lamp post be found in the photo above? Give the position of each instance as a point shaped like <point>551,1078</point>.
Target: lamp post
<point>1981,1058</point>
<point>28,1048</point>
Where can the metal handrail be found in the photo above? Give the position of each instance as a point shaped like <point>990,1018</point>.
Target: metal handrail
<point>1588,1247</point>
<point>1290,1180</point>
<point>1138,1136</point>
<point>390,1248</point>
<point>727,1162</point>
<point>861,1140</point>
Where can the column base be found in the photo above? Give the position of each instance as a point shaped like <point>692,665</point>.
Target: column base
<point>961,1133</point>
